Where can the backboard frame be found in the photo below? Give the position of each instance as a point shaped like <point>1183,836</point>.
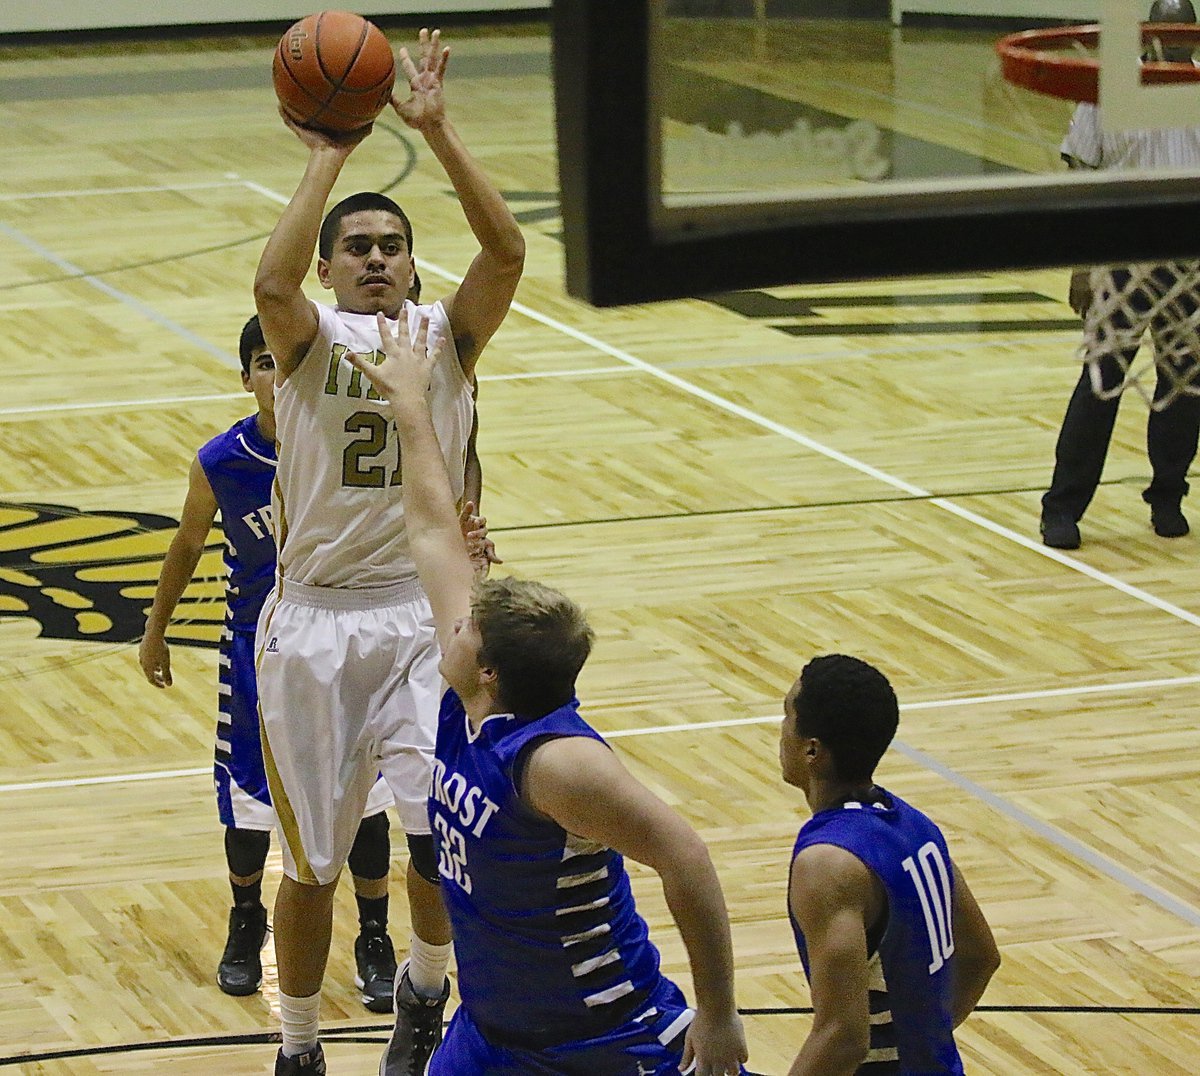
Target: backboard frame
<point>619,249</point>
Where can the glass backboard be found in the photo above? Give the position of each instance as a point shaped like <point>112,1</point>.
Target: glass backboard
<point>711,145</point>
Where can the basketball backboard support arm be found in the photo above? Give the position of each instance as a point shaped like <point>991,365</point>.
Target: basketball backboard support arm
<point>603,156</point>
<point>623,245</point>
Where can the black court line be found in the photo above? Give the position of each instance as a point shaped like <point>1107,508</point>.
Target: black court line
<point>1091,1010</point>
<point>918,328</point>
<point>64,512</point>
<point>114,641</point>
<point>67,512</point>
<point>700,513</point>
<point>378,1033</point>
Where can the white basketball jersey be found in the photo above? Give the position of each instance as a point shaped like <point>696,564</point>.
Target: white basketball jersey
<point>338,515</point>
<point>1155,147</point>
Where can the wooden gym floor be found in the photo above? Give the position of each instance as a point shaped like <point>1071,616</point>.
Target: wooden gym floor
<point>728,486</point>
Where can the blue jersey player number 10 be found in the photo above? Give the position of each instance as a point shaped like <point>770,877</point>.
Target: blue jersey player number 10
<point>932,883</point>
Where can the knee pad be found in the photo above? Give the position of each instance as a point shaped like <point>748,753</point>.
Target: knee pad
<point>371,853</point>
<point>246,850</point>
<point>424,858</point>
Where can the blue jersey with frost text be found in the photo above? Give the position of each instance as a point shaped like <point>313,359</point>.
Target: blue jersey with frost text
<point>240,466</point>
<point>549,946</point>
<point>911,972</point>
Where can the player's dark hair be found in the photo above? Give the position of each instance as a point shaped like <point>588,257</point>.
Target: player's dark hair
<point>536,639</point>
<point>358,203</point>
<point>252,338</point>
<point>1172,11</point>
<point>851,708</point>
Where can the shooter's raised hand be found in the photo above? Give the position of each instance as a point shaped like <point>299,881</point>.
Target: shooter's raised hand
<point>425,106</point>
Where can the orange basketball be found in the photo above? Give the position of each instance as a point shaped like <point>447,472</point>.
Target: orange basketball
<point>333,71</point>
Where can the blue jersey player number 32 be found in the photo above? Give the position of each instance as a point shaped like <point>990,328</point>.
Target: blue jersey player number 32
<point>467,806</point>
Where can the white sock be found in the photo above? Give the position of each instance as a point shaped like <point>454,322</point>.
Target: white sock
<point>427,966</point>
<point>301,1018</point>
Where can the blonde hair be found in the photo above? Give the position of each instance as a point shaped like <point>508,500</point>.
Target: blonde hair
<point>536,639</point>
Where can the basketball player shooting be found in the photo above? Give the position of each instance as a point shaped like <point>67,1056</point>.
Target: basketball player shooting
<point>348,658</point>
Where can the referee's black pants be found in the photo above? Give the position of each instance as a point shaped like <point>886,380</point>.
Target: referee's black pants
<point>1169,312</point>
<point>1171,438</point>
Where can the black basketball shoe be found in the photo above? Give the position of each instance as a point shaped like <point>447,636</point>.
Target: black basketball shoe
<point>375,967</point>
<point>418,1029</point>
<point>309,1064</point>
<point>240,970</point>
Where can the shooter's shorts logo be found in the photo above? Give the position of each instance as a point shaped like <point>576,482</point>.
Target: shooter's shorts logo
<point>91,575</point>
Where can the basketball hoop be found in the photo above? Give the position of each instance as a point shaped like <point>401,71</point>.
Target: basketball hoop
<point>1060,61</point>
<point>1127,301</point>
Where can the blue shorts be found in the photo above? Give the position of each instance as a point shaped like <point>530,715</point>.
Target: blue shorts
<point>650,1044</point>
<point>243,800</point>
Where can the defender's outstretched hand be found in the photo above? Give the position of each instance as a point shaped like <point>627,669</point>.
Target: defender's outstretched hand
<point>425,106</point>
<point>404,373</point>
<point>480,548</point>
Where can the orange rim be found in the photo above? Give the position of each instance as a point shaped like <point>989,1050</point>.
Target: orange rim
<point>1038,60</point>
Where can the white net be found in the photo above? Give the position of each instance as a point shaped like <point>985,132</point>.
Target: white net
<point>1127,303</point>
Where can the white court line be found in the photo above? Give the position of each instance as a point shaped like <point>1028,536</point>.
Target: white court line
<point>266,192</point>
<point>533,375</point>
<point>913,490</point>
<point>932,704</point>
<point>111,779</point>
<point>591,371</point>
<point>118,404</point>
<point>1055,836</point>
<point>234,180</point>
<point>700,726</point>
<point>122,297</point>
<point>1073,847</point>
<point>163,401</point>
<point>86,192</point>
<point>1127,878</point>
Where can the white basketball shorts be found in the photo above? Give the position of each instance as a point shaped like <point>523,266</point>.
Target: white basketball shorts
<point>243,800</point>
<point>348,688</point>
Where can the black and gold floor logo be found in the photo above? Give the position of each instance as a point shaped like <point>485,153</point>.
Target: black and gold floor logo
<point>90,575</point>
